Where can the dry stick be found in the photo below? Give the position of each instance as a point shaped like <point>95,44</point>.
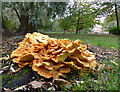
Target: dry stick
<point>14,71</point>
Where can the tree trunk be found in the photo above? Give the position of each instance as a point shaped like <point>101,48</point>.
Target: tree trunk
<point>25,26</point>
<point>116,13</point>
<point>77,28</point>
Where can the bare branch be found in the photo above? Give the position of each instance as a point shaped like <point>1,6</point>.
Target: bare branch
<point>17,14</point>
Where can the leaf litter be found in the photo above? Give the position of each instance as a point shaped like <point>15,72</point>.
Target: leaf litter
<point>101,54</point>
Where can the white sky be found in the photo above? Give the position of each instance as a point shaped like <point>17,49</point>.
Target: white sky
<point>102,18</point>
<point>99,26</point>
<point>94,0</point>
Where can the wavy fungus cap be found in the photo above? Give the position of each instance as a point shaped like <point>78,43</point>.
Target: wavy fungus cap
<point>51,57</point>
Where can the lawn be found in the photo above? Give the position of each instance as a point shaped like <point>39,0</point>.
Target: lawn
<point>107,71</point>
<point>102,40</point>
<point>105,79</point>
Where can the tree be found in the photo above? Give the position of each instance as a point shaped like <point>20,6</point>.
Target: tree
<point>81,15</point>
<point>6,31</point>
<point>116,13</point>
<point>112,12</point>
<point>31,15</point>
<point>66,23</point>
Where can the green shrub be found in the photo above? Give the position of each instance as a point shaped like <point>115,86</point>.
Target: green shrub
<point>10,24</point>
<point>114,30</point>
<point>85,30</point>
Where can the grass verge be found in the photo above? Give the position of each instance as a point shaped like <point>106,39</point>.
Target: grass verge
<point>104,40</point>
<point>107,78</point>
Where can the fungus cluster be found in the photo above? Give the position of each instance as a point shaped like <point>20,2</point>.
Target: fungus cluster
<point>51,57</point>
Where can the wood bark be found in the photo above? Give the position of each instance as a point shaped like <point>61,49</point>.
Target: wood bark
<point>25,26</point>
<point>77,25</point>
<point>77,28</point>
<point>116,13</point>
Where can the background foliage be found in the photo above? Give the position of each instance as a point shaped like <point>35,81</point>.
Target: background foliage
<point>23,17</point>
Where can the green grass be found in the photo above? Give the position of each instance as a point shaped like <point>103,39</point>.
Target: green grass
<point>102,40</point>
<point>106,80</point>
